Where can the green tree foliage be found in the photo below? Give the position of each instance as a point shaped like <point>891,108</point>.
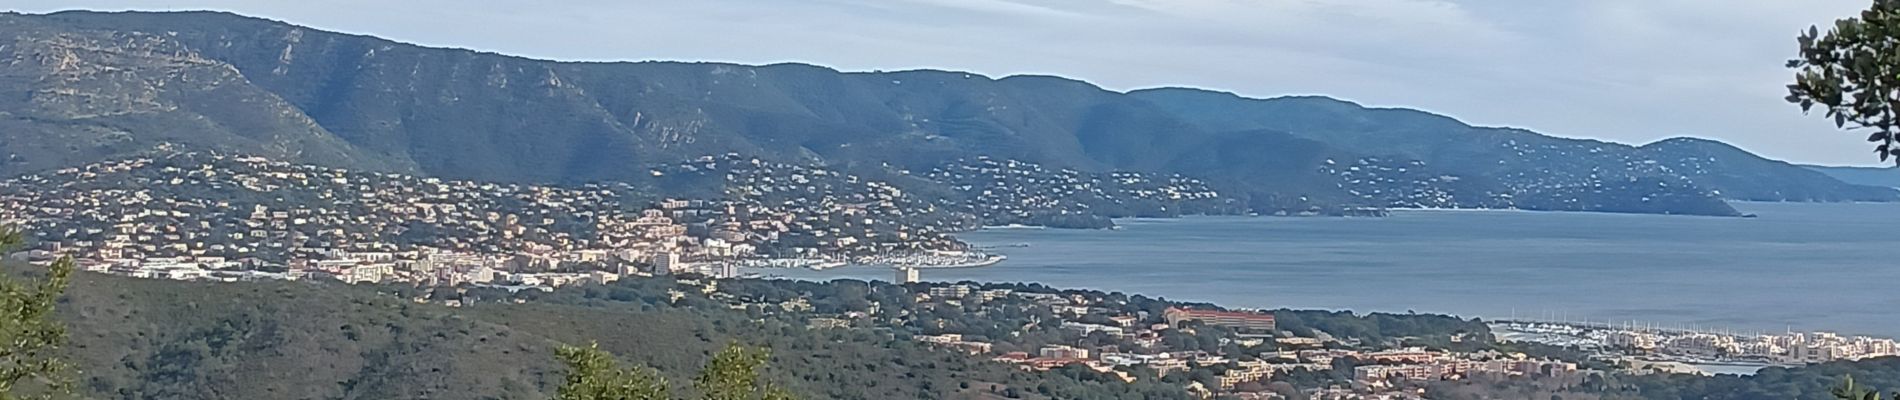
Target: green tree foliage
<point>1853,71</point>
<point>30,336</point>
<point>1848,391</point>
<point>733,374</point>
<point>592,374</point>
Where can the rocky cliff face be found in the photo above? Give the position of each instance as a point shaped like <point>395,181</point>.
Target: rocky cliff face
<point>81,95</point>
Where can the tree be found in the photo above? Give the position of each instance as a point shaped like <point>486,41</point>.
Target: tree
<point>733,374</point>
<point>1848,391</point>
<point>30,335</point>
<point>592,374</point>
<point>1853,71</point>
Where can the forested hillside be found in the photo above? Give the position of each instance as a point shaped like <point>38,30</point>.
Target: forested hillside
<point>139,339</point>
<point>96,85</point>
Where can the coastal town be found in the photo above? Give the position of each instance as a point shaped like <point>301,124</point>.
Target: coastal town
<point>195,216</point>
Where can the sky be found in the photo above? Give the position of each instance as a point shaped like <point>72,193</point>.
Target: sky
<point>1631,71</point>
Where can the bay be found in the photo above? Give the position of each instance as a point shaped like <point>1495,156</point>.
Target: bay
<point>1796,266</point>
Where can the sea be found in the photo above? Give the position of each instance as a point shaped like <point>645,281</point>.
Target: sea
<point>1795,266</point>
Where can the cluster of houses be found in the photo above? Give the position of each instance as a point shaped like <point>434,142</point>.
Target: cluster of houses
<point>1417,364</point>
<point>1012,190</point>
<point>199,216</point>
<point>1266,352</point>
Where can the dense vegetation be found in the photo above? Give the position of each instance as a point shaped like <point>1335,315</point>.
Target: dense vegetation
<point>164,339</point>
<point>831,356</point>
<point>733,374</point>
<point>30,336</point>
<point>149,338</point>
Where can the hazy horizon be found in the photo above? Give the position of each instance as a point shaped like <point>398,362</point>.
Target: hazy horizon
<point>1596,75</point>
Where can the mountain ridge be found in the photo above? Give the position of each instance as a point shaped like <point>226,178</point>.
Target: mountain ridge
<point>796,64</point>
<point>378,104</point>
<point>1888,177</point>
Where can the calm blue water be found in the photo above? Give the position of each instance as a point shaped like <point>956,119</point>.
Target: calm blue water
<point>1805,266</point>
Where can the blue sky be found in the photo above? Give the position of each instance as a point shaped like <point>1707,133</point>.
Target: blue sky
<point>1630,71</point>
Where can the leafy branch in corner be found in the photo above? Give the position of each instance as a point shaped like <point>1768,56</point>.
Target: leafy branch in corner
<point>30,335</point>
<point>1853,71</point>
